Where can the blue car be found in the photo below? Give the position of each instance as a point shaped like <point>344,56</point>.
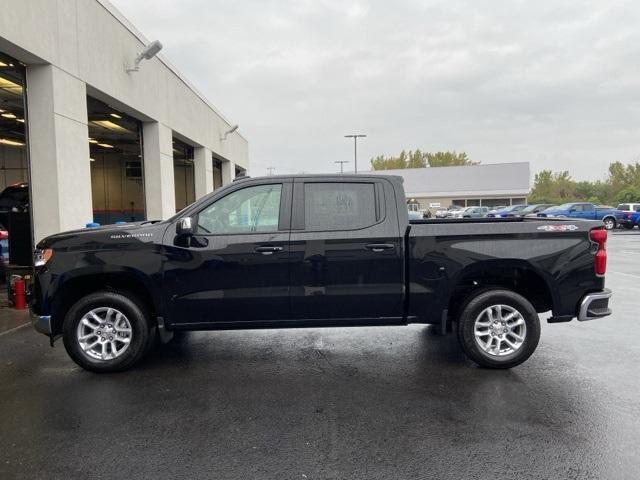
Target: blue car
<point>507,211</point>
<point>583,210</point>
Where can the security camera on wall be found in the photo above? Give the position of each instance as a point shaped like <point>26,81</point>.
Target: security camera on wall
<point>148,53</point>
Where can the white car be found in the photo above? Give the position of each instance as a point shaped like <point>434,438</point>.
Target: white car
<point>448,212</point>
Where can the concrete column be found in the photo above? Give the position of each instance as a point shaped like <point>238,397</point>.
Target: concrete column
<point>159,189</point>
<point>228,172</point>
<point>203,171</point>
<point>60,171</point>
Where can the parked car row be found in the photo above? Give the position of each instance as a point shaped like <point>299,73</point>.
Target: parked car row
<point>628,218</point>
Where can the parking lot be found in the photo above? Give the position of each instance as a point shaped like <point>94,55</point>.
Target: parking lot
<point>362,403</point>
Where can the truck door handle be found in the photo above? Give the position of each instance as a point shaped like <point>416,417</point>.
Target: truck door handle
<point>379,247</point>
<point>268,250</point>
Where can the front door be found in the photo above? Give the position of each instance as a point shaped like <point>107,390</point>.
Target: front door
<point>346,251</point>
<point>234,268</point>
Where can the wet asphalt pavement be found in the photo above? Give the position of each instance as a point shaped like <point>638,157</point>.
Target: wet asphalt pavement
<point>361,403</point>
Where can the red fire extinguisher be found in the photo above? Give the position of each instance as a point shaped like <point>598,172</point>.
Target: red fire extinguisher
<point>19,296</point>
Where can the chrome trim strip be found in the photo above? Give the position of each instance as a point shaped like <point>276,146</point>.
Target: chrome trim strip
<point>583,313</point>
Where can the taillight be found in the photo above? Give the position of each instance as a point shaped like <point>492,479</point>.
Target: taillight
<point>599,236</point>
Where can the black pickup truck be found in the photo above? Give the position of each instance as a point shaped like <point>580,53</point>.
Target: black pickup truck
<point>310,251</point>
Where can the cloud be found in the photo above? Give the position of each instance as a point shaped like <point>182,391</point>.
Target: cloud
<point>547,82</point>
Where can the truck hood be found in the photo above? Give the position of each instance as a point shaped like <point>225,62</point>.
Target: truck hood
<point>109,233</point>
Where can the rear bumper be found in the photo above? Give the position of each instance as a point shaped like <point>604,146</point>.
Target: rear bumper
<point>595,305</point>
<point>41,323</point>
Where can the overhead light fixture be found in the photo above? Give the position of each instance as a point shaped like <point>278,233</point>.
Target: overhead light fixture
<point>92,140</point>
<point>92,159</point>
<point>115,115</point>
<point>2,64</point>
<point>228,132</point>
<point>21,120</point>
<point>10,86</point>
<point>13,143</point>
<point>105,145</point>
<point>9,115</point>
<point>148,53</point>
<point>109,125</point>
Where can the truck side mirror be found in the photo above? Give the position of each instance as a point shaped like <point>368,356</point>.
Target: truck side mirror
<point>185,226</point>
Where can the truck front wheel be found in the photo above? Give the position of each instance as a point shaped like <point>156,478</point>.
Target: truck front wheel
<point>498,328</point>
<point>106,332</point>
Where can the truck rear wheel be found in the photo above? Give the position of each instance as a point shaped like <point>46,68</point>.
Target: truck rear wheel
<point>609,223</point>
<point>498,328</point>
<point>106,332</point>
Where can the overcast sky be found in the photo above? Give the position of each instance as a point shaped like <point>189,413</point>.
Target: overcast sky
<point>553,83</point>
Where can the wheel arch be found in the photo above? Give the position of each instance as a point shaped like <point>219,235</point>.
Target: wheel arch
<point>79,283</point>
<point>520,276</point>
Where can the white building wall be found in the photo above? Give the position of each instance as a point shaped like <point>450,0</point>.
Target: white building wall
<point>89,42</point>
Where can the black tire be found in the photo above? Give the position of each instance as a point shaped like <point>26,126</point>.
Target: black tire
<point>141,338</point>
<point>475,306</point>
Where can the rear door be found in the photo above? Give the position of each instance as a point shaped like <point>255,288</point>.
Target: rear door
<point>346,255</point>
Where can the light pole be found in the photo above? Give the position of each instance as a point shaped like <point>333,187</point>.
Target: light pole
<point>271,170</point>
<point>355,149</point>
<point>341,162</point>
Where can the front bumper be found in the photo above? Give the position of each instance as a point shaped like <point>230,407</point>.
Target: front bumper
<point>595,305</point>
<point>41,323</point>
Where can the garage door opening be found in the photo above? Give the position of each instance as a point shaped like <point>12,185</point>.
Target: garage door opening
<point>115,147</point>
<point>15,220</point>
<point>183,178</point>
<point>14,174</point>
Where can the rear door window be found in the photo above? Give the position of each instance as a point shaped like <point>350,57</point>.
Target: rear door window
<point>339,206</point>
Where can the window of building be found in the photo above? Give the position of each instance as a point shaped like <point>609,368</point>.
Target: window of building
<point>473,202</point>
<point>183,178</point>
<point>495,202</point>
<point>339,206</point>
<point>518,201</point>
<point>217,173</point>
<point>240,171</point>
<point>249,210</point>
<point>459,202</point>
<point>117,183</point>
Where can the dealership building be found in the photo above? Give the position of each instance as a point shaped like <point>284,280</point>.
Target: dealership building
<point>94,139</point>
<point>488,185</point>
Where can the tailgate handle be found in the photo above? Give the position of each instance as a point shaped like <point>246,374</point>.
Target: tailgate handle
<point>268,250</point>
<point>379,247</point>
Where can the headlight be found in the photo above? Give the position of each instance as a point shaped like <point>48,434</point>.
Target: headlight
<point>41,257</point>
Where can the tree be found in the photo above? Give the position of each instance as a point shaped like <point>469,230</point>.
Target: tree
<point>409,159</point>
<point>420,159</point>
<point>628,195</point>
<point>448,159</point>
<point>553,187</point>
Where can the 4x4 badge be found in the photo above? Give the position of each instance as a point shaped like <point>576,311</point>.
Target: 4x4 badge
<point>558,228</point>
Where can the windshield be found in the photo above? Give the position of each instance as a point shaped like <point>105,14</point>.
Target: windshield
<point>530,208</point>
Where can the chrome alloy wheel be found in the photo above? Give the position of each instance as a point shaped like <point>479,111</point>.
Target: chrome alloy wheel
<point>500,330</point>
<point>104,333</point>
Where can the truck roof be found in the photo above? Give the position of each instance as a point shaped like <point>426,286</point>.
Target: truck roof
<point>345,176</point>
